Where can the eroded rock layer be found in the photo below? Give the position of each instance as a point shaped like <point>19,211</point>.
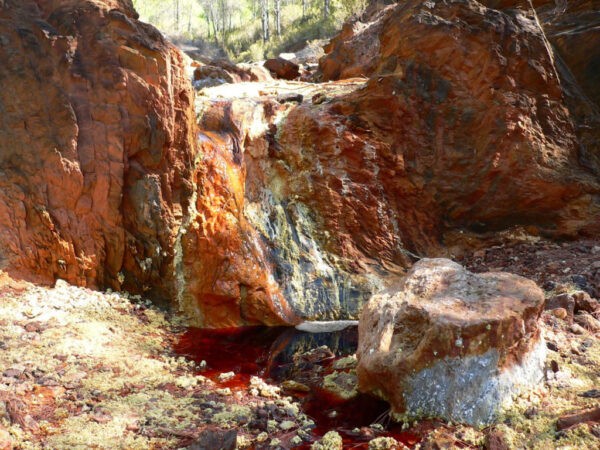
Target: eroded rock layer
<point>448,343</point>
<point>96,145</point>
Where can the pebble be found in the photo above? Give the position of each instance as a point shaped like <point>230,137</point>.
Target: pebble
<point>271,425</point>
<point>552,346</point>
<point>592,393</point>
<point>6,441</point>
<point>531,412</point>
<point>345,363</point>
<point>226,376</point>
<point>587,321</point>
<point>384,443</point>
<point>331,441</point>
<point>287,425</point>
<point>292,385</point>
<point>13,372</point>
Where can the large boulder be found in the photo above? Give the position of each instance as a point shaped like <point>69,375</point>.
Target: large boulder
<point>283,68</point>
<point>96,146</point>
<point>448,343</point>
<point>464,124</point>
<point>474,71</point>
<point>220,71</point>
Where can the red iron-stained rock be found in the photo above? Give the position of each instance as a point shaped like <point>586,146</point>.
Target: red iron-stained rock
<point>445,342</point>
<point>282,68</point>
<point>457,128</point>
<point>96,145</point>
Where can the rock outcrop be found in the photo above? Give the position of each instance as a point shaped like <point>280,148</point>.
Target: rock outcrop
<point>503,104</point>
<point>572,29</point>
<point>271,228</point>
<point>464,118</point>
<point>448,343</point>
<point>96,146</point>
<point>463,124</point>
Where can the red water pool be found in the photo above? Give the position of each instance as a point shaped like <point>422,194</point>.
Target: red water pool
<point>269,353</point>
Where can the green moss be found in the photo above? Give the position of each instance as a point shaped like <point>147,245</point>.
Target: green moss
<point>331,441</point>
<point>342,384</point>
<point>232,416</point>
<point>349,362</point>
<point>383,443</point>
<point>538,431</point>
<point>119,374</point>
<point>86,434</point>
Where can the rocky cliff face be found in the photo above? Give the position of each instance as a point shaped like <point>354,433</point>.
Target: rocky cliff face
<point>96,145</point>
<point>468,121</point>
<point>477,90</point>
<point>293,206</point>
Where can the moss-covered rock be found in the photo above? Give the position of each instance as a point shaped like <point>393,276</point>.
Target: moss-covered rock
<point>331,441</point>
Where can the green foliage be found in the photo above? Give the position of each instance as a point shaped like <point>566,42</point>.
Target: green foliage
<point>236,26</point>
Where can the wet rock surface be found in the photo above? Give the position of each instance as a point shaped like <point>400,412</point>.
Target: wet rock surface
<point>448,343</point>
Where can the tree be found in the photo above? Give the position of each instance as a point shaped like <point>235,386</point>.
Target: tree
<point>278,17</point>
<point>326,8</point>
<point>265,20</point>
<point>244,29</point>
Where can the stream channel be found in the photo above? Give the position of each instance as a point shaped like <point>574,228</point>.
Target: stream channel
<point>279,354</point>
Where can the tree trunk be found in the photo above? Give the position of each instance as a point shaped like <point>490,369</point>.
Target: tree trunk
<point>223,21</point>
<point>214,24</point>
<point>326,9</point>
<point>208,24</point>
<point>303,9</point>
<point>176,16</point>
<point>278,17</point>
<point>265,19</point>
